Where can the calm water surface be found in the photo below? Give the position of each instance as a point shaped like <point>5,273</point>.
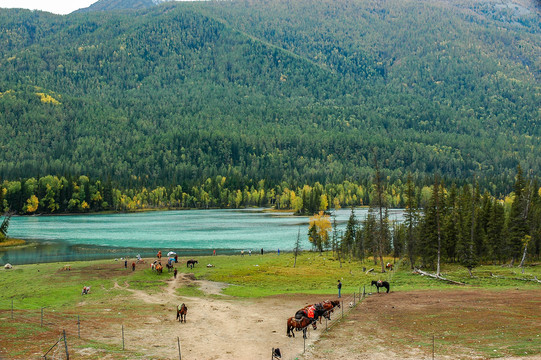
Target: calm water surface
<point>187,232</point>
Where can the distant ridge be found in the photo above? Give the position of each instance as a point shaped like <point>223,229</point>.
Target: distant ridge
<point>110,5</point>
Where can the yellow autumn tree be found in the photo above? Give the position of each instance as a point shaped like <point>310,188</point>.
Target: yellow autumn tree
<point>31,204</point>
<point>320,225</point>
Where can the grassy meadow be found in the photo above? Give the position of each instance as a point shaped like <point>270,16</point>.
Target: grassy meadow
<point>39,285</point>
<point>48,287</point>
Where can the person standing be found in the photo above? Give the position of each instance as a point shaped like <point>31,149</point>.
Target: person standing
<point>132,266</point>
<point>339,288</point>
<point>126,264</point>
<point>175,273</point>
<point>261,251</point>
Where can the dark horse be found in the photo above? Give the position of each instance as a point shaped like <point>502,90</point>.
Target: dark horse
<point>181,312</point>
<point>298,324</point>
<point>190,263</point>
<point>170,267</point>
<point>380,283</point>
<point>329,308</point>
<point>316,311</point>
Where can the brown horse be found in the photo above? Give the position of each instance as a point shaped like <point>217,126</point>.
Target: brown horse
<point>159,268</point>
<point>181,312</point>
<point>314,311</point>
<point>329,306</point>
<point>298,325</point>
<point>190,263</point>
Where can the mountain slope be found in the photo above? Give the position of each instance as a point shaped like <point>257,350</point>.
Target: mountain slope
<point>295,92</point>
<point>111,5</point>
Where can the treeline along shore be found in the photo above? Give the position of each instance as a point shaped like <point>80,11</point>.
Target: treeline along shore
<point>443,222</point>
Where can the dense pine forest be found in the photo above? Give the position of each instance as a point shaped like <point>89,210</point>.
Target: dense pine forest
<point>131,105</point>
<point>284,92</point>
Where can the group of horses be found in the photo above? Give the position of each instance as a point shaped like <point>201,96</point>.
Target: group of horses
<point>309,315</point>
<point>158,267</point>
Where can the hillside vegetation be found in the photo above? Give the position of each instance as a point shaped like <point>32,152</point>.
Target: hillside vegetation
<point>294,92</point>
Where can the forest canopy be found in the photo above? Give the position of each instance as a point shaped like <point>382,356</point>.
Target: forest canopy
<point>287,92</point>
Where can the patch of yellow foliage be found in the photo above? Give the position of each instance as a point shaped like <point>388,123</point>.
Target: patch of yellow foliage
<point>46,99</point>
<point>5,92</point>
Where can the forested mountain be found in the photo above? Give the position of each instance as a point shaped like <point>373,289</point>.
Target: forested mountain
<point>284,91</point>
<point>108,5</point>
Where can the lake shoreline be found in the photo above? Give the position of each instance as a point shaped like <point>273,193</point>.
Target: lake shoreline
<point>137,211</point>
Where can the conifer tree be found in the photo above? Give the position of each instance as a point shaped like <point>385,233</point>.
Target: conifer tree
<point>450,225</point>
<point>411,217</point>
<point>465,245</point>
<point>383,228</point>
<point>348,240</point>
<point>518,227</point>
<point>495,233</point>
<point>370,230</point>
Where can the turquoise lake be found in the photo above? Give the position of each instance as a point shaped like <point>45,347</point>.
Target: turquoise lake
<point>187,232</point>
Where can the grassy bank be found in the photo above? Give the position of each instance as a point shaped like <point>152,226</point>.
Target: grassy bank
<point>248,276</point>
<point>12,242</point>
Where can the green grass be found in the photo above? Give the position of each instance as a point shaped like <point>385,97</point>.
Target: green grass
<point>39,285</point>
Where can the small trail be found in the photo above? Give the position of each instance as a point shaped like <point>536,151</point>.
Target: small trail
<point>169,296</point>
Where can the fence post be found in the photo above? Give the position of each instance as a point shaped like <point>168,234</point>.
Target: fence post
<point>179,356</point>
<point>433,345</point>
<point>66,345</point>
<point>122,336</point>
<point>78,326</point>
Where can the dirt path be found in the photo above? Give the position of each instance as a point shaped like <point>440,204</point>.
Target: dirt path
<point>217,327</point>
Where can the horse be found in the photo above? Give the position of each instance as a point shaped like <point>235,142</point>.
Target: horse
<point>169,267</point>
<point>190,263</point>
<point>380,283</point>
<point>181,312</point>
<point>329,306</point>
<point>389,266</point>
<point>298,325</point>
<point>316,311</point>
<point>159,268</point>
